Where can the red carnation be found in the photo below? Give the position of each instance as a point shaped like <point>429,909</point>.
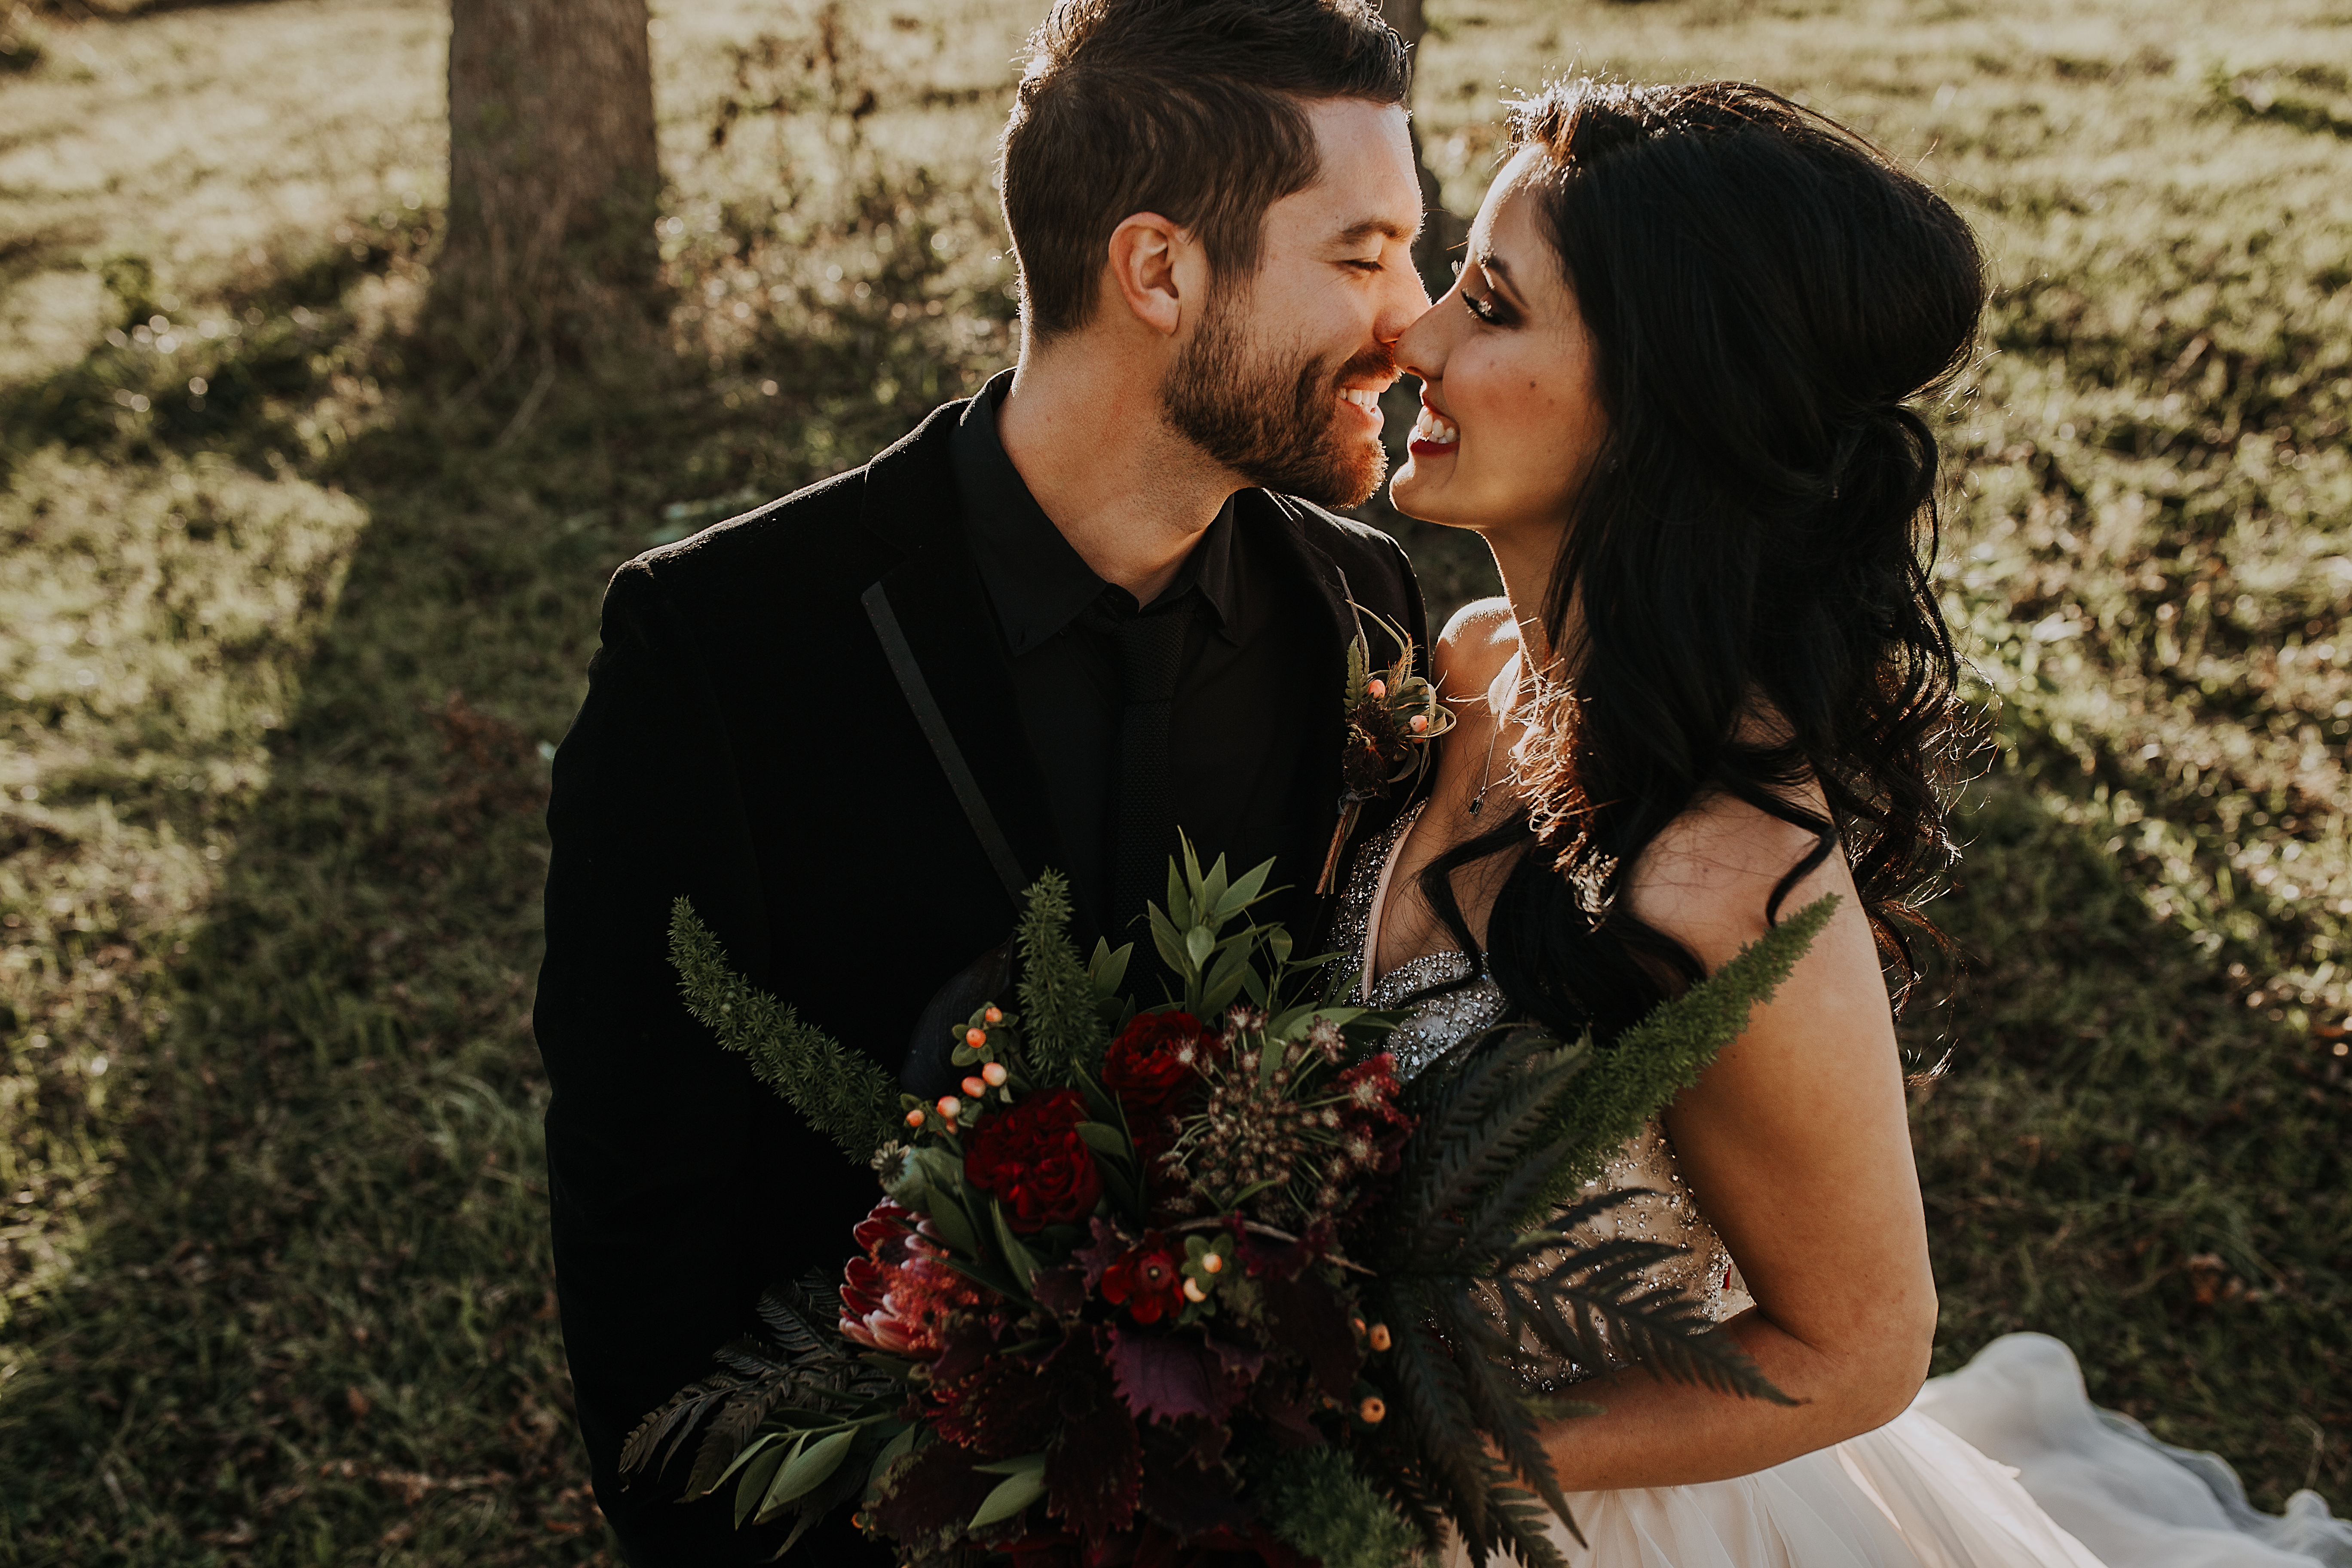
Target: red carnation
<point>1155,1058</point>
<point>1149,1280</point>
<point>1031,1157</point>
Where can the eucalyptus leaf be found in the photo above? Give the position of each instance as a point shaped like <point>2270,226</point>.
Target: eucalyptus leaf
<point>1016,1257</point>
<point>1180,905</point>
<point>806,1471</point>
<point>1108,966</point>
<point>1243,893</point>
<point>1165,937</point>
<point>1104,1139</point>
<point>892,1452</point>
<point>1014,1493</point>
<point>1199,942</point>
<point>756,1476</point>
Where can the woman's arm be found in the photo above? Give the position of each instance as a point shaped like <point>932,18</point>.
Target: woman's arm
<point>1796,1145</point>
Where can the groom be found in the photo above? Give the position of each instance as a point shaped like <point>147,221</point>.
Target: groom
<point>1093,605</point>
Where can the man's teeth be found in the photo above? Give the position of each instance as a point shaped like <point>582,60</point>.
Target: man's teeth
<point>1363,397</point>
<point>1435,430</point>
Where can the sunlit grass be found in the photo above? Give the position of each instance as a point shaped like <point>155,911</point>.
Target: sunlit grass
<point>277,658</point>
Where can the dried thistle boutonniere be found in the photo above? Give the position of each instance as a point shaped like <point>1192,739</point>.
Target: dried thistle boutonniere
<point>1392,716</point>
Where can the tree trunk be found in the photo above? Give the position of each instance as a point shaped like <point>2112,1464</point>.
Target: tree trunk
<point>1441,231</point>
<point>553,175</point>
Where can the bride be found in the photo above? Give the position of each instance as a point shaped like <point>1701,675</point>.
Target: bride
<point>1672,392</point>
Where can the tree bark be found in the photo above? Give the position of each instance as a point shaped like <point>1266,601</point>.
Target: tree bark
<point>1441,230</point>
<point>553,173</point>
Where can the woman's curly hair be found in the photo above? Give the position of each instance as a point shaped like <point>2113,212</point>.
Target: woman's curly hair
<point>1745,576</point>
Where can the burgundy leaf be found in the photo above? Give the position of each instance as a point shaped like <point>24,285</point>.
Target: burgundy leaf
<point>932,1494</point>
<point>1110,1243</point>
<point>1094,1466</point>
<point>1061,1291</point>
<point>1163,1376</point>
<point>1183,1491</point>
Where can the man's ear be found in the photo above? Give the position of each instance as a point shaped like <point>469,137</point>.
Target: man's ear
<point>1154,266</point>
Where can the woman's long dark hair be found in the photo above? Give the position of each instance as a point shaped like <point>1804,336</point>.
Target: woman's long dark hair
<point>1745,576</point>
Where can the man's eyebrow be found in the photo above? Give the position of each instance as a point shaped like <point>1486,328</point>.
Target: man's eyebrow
<point>1364,228</point>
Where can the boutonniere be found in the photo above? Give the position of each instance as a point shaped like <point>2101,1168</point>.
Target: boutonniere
<point>1393,715</point>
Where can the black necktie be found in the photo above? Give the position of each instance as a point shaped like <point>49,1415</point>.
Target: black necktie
<point>1150,651</point>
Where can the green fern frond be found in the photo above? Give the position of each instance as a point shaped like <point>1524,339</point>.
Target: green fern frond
<point>844,1094</point>
<point>1490,1389</point>
<point>1430,1400</point>
<point>1665,1054</point>
<point>1602,1287</point>
<point>1058,1000</point>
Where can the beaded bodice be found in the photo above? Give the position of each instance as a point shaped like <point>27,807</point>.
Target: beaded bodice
<point>1659,1206</point>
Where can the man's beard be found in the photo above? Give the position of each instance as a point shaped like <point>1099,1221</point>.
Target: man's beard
<point>1269,419</point>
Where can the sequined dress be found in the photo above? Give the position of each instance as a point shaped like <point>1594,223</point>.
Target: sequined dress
<point>2004,1463</point>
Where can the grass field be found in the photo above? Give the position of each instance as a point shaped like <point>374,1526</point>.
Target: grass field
<point>290,616</point>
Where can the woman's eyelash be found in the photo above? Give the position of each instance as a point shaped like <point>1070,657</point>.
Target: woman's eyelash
<point>1482,308</point>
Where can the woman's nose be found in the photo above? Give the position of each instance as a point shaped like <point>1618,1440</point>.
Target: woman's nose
<point>1420,347</point>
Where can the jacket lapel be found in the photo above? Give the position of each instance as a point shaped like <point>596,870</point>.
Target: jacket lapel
<point>1336,600</point>
<point>911,503</point>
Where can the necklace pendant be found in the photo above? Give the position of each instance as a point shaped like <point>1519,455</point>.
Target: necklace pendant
<point>1475,804</point>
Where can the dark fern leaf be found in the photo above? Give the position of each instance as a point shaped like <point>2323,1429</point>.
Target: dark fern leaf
<point>1663,1330</point>
<point>1493,1394</point>
<point>736,1424</point>
<point>675,1421</point>
<point>1519,1522</point>
<point>1429,1394</point>
<point>1493,1147</point>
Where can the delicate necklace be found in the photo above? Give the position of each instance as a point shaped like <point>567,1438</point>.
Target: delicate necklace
<point>1487,773</point>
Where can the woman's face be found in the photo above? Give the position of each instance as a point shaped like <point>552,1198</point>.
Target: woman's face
<point>1510,409</point>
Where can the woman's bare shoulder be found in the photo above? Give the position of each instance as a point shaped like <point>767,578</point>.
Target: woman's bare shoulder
<point>1478,641</point>
<point>1707,879</point>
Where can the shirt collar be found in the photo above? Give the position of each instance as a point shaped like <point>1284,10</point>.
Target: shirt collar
<point>1036,582</point>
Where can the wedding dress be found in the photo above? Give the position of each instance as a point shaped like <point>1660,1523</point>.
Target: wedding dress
<point>2004,1463</point>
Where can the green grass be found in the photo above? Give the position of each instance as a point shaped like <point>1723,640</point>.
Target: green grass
<point>277,664</point>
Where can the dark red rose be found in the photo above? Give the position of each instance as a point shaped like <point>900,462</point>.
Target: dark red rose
<point>1032,1159</point>
<point>1155,1057</point>
<point>1148,1280</point>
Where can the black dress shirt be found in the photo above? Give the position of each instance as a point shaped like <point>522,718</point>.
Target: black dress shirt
<point>1246,695</point>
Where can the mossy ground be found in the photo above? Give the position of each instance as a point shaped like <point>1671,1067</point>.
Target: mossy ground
<point>278,659</point>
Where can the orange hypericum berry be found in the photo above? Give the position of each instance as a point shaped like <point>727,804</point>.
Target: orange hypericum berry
<point>975,1087</point>
<point>1192,1292</point>
<point>950,1107</point>
<point>1379,1337</point>
<point>1417,723</point>
<point>1358,1323</point>
<point>1377,687</point>
<point>1212,1263</point>
<point>1374,1410</point>
<point>994,1015</point>
<point>993,1075</point>
<point>915,1117</point>
<point>975,1036</point>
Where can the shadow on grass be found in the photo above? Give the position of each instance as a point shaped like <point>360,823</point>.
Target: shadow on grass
<point>2127,1155</point>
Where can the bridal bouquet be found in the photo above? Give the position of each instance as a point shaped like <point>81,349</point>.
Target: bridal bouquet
<point>1199,1282</point>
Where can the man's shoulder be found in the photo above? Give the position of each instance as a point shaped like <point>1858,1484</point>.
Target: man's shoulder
<point>1352,545</point>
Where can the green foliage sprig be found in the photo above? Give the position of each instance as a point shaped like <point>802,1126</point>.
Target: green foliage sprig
<point>1664,1053</point>
<point>1058,998</point>
<point>843,1095</point>
<point>1317,1501</point>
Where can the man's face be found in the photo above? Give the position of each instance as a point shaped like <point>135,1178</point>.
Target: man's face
<point>1280,380</point>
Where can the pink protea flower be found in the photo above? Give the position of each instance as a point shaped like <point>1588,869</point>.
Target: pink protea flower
<point>898,1296</point>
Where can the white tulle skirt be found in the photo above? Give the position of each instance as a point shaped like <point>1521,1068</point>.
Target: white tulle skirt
<point>2004,1463</point>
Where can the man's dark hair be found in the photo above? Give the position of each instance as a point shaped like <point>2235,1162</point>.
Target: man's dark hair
<point>1191,108</point>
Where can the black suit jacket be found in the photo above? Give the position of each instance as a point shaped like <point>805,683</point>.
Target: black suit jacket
<point>744,742</point>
